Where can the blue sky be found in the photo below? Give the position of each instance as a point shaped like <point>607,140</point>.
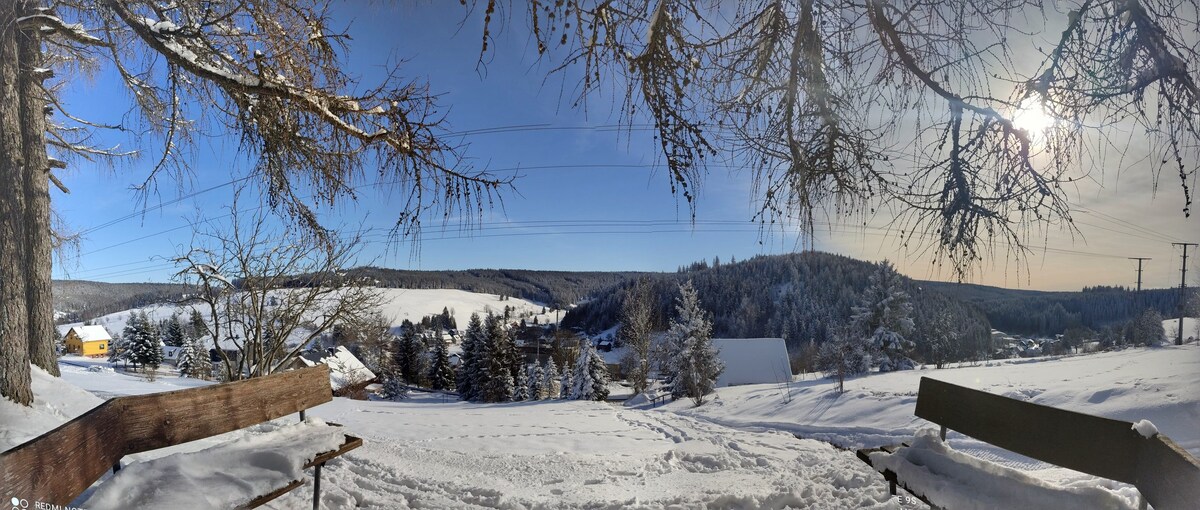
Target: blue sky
<point>588,197</point>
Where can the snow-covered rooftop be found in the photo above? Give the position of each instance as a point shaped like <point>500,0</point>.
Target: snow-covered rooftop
<point>344,368</point>
<point>753,361</point>
<point>91,333</point>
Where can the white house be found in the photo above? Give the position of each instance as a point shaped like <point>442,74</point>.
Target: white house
<point>345,370</point>
<point>753,361</point>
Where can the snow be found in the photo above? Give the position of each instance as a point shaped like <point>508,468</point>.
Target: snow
<point>54,403</point>
<point>752,361</point>
<point>740,450</point>
<point>91,333</point>
<point>1191,328</point>
<point>953,479</point>
<point>1146,428</point>
<point>223,476</point>
<point>344,368</point>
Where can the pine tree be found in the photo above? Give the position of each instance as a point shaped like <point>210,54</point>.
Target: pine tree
<point>521,386</point>
<point>173,332</point>
<point>196,325</point>
<point>144,346</point>
<point>691,365</point>
<point>844,356</point>
<point>885,318</point>
<point>498,359</point>
<point>550,380</point>
<point>468,367</point>
<point>393,388</point>
<point>408,355</point>
<point>590,378</point>
<point>534,382</point>
<point>441,374</point>
<point>564,382</point>
<point>186,362</point>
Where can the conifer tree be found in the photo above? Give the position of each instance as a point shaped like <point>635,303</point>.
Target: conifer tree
<point>499,353</point>
<point>691,365</point>
<point>469,361</point>
<point>534,382</point>
<point>408,355</point>
<point>521,386</point>
<point>173,332</point>
<point>590,378</point>
<point>186,362</point>
<point>885,318</point>
<point>564,381</point>
<point>441,374</point>
<point>550,380</point>
<point>144,347</point>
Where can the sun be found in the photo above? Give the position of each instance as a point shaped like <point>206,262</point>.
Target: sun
<point>1033,118</point>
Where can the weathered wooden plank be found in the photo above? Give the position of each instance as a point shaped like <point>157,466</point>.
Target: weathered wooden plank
<point>1167,475</point>
<point>350,444</point>
<point>60,464</point>
<point>265,498</point>
<point>1089,444</point>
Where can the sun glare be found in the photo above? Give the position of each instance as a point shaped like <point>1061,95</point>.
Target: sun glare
<point>1033,118</point>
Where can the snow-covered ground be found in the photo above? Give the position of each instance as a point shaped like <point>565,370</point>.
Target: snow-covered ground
<point>398,305</point>
<point>738,451</point>
<point>1160,384</point>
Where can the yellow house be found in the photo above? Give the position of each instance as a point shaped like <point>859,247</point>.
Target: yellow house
<point>92,341</point>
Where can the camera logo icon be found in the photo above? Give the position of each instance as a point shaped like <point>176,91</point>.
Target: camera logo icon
<point>19,504</point>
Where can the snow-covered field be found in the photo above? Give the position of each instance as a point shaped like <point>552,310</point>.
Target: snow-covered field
<point>398,305</point>
<point>738,451</point>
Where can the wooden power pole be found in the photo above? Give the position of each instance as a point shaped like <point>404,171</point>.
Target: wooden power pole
<point>1182,291</point>
<point>1140,260</point>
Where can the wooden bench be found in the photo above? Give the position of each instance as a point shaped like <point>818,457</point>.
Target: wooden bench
<point>1167,476</point>
<point>56,467</point>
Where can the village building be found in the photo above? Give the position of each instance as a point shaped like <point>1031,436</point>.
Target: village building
<point>90,341</point>
<point>753,361</point>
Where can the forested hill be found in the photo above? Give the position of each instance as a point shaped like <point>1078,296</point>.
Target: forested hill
<point>797,297</point>
<point>77,300</point>
<point>1046,313</point>
<point>558,288</point>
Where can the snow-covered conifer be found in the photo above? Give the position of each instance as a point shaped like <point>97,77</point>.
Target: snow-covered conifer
<point>691,365</point>
<point>521,385</point>
<point>885,318</point>
<point>534,383</point>
<point>468,367</point>
<point>393,388</point>
<point>564,381</point>
<point>550,380</point>
<point>441,374</point>
<point>498,358</point>
<point>590,378</point>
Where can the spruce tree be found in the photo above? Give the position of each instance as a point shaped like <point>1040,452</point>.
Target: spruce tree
<point>521,386</point>
<point>885,318</point>
<point>691,366</point>
<point>590,378</point>
<point>408,353</point>
<point>187,360</point>
<point>550,380</point>
<point>468,366</point>
<point>441,374</point>
<point>144,346</point>
<point>498,358</point>
<point>564,382</point>
<point>173,332</point>
<point>534,382</point>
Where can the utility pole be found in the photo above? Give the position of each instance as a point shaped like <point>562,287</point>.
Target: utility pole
<point>1182,291</point>
<point>1140,260</point>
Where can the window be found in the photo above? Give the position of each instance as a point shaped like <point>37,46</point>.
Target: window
<point>102,346</point>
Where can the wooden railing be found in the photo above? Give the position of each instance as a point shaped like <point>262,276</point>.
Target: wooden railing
<point>59,465</point>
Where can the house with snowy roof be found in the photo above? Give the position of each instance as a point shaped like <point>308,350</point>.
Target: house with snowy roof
<point>90,341</point>
<point>347,374</point>
<point>752,361</point>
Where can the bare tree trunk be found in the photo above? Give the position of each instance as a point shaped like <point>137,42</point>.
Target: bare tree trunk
<point>15,383</point>
<point>38,261</point>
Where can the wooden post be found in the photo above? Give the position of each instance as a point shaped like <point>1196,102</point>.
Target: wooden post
<point>116,466</point>
<point>301,415</point>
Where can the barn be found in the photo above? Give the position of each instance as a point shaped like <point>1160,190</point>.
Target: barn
<point>753,361</point>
